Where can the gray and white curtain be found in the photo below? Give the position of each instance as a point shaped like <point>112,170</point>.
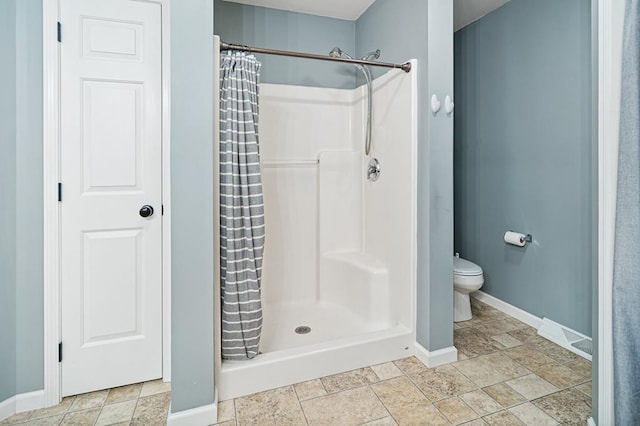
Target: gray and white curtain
<point>626,266</point>
<point>241,207</point>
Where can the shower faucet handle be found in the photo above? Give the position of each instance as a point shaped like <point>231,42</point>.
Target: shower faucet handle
<point>373,172</point>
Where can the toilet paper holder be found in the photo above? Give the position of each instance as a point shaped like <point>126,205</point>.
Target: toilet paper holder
<point>528,238</point>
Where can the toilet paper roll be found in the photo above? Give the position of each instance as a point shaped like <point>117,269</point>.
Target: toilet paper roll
<point>515,238</point>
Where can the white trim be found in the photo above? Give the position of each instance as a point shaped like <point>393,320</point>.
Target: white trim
<point>591,422</point>
<point>199,416</point>
<point>29,401</point>
<point>166,189</point>
<point>608,101</point>
<point>437,358</point>
<point>7,408</point>
<point>51,173</point>
<point>21,403</point>
<point>217,311</point>
<point>508,309</point>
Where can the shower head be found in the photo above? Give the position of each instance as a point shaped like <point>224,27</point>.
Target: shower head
<point>336,52</point>
<point>371,56</point>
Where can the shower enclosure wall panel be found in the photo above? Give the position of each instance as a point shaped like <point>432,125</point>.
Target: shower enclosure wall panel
<point>355,291</point>
<point>391,220</point>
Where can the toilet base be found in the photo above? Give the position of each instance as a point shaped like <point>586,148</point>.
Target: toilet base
<point>461,307</point>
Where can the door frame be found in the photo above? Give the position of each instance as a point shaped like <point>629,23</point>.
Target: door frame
<point>51,173</point>
<point>608,74</point>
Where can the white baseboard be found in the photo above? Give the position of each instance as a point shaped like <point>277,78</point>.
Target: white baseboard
<point>591,422</point>
<point>509,309</point>
<point>436,358</point>
<point>20,403</point>
<point>199,416</point>
<point>7,408</point>
<point>29,401</point>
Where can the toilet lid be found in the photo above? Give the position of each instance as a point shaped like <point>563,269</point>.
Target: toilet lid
<point>465,268</point>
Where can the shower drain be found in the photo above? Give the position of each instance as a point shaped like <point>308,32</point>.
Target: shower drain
<point>303,329</point>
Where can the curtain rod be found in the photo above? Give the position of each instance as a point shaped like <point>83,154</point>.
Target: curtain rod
<point>406,67</point>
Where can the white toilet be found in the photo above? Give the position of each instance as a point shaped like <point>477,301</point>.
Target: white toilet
<point>467,278</point>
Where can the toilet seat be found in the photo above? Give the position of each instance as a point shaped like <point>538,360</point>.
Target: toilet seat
<point>463,267</point>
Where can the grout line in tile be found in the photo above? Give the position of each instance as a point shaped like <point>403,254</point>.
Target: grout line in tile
<point>382,403</point>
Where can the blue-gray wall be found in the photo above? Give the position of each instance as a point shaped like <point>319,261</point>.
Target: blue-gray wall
<point>524,155</point>
<point>7,199</point>
<point>29,200</point>
<point>278,29</point>
<point>405,29</point>
<point>192,204</point>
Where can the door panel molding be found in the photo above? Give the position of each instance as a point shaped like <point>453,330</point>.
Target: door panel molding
<point>51,177</point>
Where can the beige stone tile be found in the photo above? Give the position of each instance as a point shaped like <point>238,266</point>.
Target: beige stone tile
<point>275,407</point>
<point>476,422</point>
<point>485,314</point>
<point>559,375</point>
<point>81,418</point>
<point>461,324</point>
<point>491,369</point>
<point>462,356</point>
<point>502,418</point>
<point>124,393</point>
<point>411,366</point>
<point>527,335</point>
<point>531,386</point>
<point>116,413</point>
<point>443,382</point>
<point>406,403</point>
<point>55,410</point>
<point>569,407</point>
<point>154,387</point>
<point>455,410</point>
<point>227,423</point>
<point>226,411</point>
<point>472,343</point>
<point>481,402</point>
<point>493,328</point>
<point>45,421</point>
<point>16,418</point>
<point>387,421</point>
<point>528,356</point>
<point>310,389</point>
<point>350,407</point>
<point>506,340</point>
<point>583,367</point>
<point>585,389</point>
<point>89,400</point>
<point>349,380</point>
<point>558,353</point>
<point>504,395</point>
<point>152,409</point>
<point>386,371</point>
<point>531,415</point>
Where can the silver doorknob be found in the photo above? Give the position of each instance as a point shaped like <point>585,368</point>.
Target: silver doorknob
<point>146,210</point>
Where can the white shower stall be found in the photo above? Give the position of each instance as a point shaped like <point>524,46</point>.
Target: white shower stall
<point>340,250</point>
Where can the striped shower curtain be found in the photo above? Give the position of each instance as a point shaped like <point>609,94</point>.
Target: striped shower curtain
<point>626,265</point>
<point>241,207</point>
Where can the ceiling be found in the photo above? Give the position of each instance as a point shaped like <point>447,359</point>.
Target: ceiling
<point>465,11</point>
<point>341,9</point>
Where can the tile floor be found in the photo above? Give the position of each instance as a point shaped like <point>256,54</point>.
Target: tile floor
<point>506,375</point>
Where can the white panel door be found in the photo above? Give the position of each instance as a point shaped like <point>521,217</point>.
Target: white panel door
<point>111,164</point>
